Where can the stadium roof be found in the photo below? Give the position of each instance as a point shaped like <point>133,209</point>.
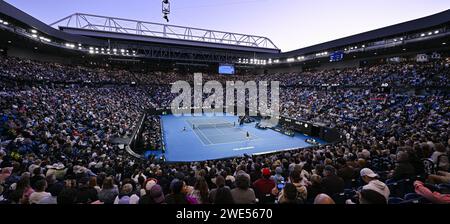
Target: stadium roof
<point>401,28</point>
<point>95,30</point>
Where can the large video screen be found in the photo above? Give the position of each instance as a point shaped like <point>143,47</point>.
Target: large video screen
<point>337,56</point>
<point>226,69</point>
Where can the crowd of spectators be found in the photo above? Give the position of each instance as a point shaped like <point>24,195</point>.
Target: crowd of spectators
<point>57,140</point>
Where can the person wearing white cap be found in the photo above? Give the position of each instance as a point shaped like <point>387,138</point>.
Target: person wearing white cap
<point>372,182</point>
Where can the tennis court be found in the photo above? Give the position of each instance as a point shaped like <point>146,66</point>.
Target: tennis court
<point>200,138</point>
<point>215,131</point>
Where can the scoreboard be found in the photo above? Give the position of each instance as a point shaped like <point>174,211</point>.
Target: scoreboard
<point>337,56</point>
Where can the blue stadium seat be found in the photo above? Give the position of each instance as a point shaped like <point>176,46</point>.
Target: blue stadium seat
<point>411,196</point>
<point>444,188</point>
<point>395,200</point>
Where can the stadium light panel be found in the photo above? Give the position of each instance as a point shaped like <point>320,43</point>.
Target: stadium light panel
<point>444,43</point>
<point>33,31</point>
<point>1,21</point>
<point>436,32</point>
<point>290,60</point>
<point>422,35</point>
<point>5,23</point>
<point>430,33</point>
<point>34,36</point>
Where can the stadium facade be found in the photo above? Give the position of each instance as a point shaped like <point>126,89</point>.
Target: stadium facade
<point>86,38</point>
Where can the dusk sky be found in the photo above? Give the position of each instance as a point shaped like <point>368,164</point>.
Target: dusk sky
<point>290,24</point>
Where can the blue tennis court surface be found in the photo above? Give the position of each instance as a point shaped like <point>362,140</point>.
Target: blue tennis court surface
<point>189,138</point>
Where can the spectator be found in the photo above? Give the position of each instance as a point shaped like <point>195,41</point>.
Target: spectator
<point>109,191</point>
<point>323,199</point>
<point>434,197</point>
<point>154,195</point>
<point>331,183</point>
<point>39,193</point>
<point>219,182</point>
<point>201,191</point>
<point>315,188</point>
<point>178,194</point>
<point>127,196</point>
<point>367,196</point>
<point>403,168</point>
<point>223,196</point>
<point>289,195</point>
<point>263,187</point>
<point>243,194</point>
<point>372,183</point>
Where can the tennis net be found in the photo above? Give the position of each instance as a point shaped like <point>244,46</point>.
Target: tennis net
<point>213,125</point>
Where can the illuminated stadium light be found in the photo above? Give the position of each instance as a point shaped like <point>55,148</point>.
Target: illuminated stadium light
<point>33,31</point>
<point>430,33</point>
<point>363,46</point>
<point>1,21</point>
<point>91,51</point>
<point>80,48</point>
<point>122,50</point>
<point>444,43</point>
<point>34,36</point>
<point>96,48</point>
<point>401,39</point>
<point>79,45</point>
<point>290,60</point>
<point>91,48</point>
<point>115,50</point>
<point>276,61</point>
<point>422,35</point>
<point>301,58</point>
<point>436,32</point>
<point>5,23</point>
<point>395,40</point>
<point>45,39</point>
<point>69,45</point>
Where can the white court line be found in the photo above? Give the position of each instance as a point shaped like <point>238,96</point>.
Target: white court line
<point>195,133</point>
<point>200,130</point>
